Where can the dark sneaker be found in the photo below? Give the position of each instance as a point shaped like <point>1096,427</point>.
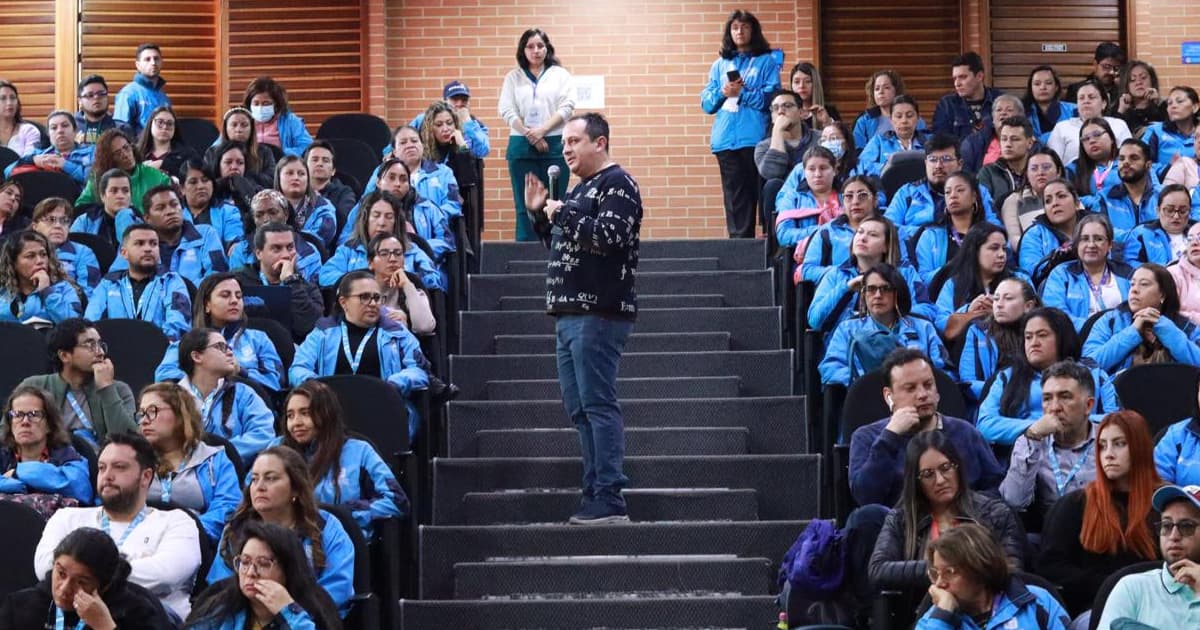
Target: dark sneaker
<point>599,513</point>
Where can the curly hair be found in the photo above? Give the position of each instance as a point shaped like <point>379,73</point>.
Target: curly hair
<point>13,246</point>
<point>104,159</point>
<point>435,150</point>
<point>56,430</point>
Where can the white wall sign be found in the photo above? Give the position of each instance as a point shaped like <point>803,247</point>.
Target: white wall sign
<point>589,91</point>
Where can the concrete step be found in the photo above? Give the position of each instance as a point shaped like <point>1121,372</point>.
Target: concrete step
<point>681,613</point>
<point>627,388</point>
<point>638,441</point>
<point>638,342</point>
<point>647,504</point>
<point>644,265</point>
<point>740,288</point>
<point>732,253</point>
<point>538,302</point>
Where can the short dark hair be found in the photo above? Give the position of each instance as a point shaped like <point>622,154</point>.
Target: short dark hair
<point>147,46</point>
<point>90,79</point>
<point>795,97</point>
<point>149,194</point>
<point>193,340</point>
<point>1074,371</point>
<point>970,59</point>
<point>111,174</point>
<point>146,457</point>
<point>595,126</point>
<point>941,142</point>
<point>260,234</point>
<point>1017,121</point>
<point>65,338</point>
<point>320,144</point>
<point>972,549</point>
<point>905,99</point>
<point>136,227</point>
<point>194,164</point>
<point>901,357</point>
<point>1137,142</point>
<point>348,280</point>
<point>1109,50</point>
<point>98,552</point>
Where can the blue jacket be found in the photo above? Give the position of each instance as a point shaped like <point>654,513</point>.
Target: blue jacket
<point>1113,339</point>
<point>251,347</point>
<point>220,489</point>
<point>867,125</point>
<point>54,303</point>
<point>365,485</point>
<point>1016,608</point>
<point>797,210</point>
<point>913,332</point>
<point>740,124</point>
<point>80,263</point>
<point>832,287</point>
<point>77,162</point>
<point>914,205</point>
<point>225,218</point>
<point>91,222</point>
<point>292,134</point>
<point>828,247</point>
<point>953,115</point>
<point>944,304</point>
<point>1112,177</point>
<point>1177,454</point>
<point>1065,110</point>
<point>1166,142</point>
<point>322,222</point>
<point>353,256</point>
<point>1066,288</point>
<point>1115,203</point>
<point>167,303</point>
<point>1000,429</point>
<point>438,201</point>
<point>879,148</point>
<point>292,617</point>
<point>338,577</point>
<point>931,249</point>
<point>979,357</point>
<point>1149,242</point>
<point>474,132</point>
<point>1038,241</point>
<point>250,424</point>
<point>137,100</point>
<point>308,259</point>
<point>66,473</point>
<point>974,147</point>
<point>198,254</point>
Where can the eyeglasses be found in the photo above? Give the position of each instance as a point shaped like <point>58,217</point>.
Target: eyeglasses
<point>390,253</point>
<point>128,148</point>
<point>934,573</point>
<point>944,470</point>
<point>91,95</point>
<point>164,123</point>
<point>1093,238</point>
<point>1186,528</point>
<point>146,413</point>
<point>1041,168</point>
<point>55,220</point>
<point>940,159</point>
<point>1088,137</point>
<point>95,345</point>
<point>1110,68</point>
<point>782,107</point>
<point>369,298</point>
<point>1175,211</point>
<point>261,565</point>
<point>878,289</point>
<point>221,347</point>
<point>35,416</point>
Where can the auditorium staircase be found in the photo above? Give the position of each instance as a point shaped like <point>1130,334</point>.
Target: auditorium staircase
<point>715,449</point>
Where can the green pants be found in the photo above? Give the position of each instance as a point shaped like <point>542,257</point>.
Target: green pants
<point>522,159</point>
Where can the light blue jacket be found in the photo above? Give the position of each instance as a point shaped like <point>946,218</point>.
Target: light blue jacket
<point>913,206</point>
<point>198,254</point>
<point>1000,429</point>
<point>1115,203</point>
<point>1087,197</point>
<point>797,210</point>
<point>1017,608</point>
<point>474,132</point>
<point>55,303</point>
<point>879,148</point>
<point>1066,288</point>
<point>438,201</point>
<point>168,304</point>
<point>90,222</point>
<point>251,347</point>
<point>250,425</point>
<point>1166,142</point>
<point>66,473</point>
<point>1177,454</point>
<point>80,263</point>
<point>322,222</point>
<point>292,134</point>
<point>338,577</point>
<point>977,363</point>
<point>1113,339</point>
<point>742,124</point>
<point>77,162</point>
<point>1149,242</point>
<point>225,218</point>
<point>867,126</point>
<point>353,256</point>
<point>1065,110</point>
<point>1038,242</point>
<point>832,287</point>
<point>913,332</point>
<point>292,617</point>
<point>944,303</point>
<point>829,247</point>
<point>137,100</point>
<point>308,259</point>
<point>208,468</point>
<point>932,250</point>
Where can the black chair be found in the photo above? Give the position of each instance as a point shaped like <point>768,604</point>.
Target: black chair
<point>354,157</point>
<point>1163,393</point>
<point>364,606</point>
<point>1107,586</point>
<point>136,348</point>
<point>191,288</point>
<point>351,181</point>
<point>21,528</point>
<point>198,133</point>
<point>7,156</point>
<point>317,244</point>
<point>901,168</point>
<point>368,128</point>
<point>25,354</point>
<point>104,251</point>
<point>770,190</point>
<point>374,408</point>
<point>39,185</point>
<point>276,152</point>
<point>235,458</point>
<point>280,338</point>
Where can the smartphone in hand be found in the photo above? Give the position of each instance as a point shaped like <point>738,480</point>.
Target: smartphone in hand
<point>734,76</point>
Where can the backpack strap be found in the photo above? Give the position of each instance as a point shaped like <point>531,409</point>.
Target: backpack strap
<point>1043,616</point>
<point>826,248</point>
<point>832,319</point>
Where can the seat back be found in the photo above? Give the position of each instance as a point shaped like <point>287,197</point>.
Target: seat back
<point>902,167</point>
<point>101,247</point>
<point>317,244</point>
<point>865,403</point>
<point>1163,393</point>
<point>1106,587</point>
<point>374,408</point>
<point>355,157</point>
<point>8,156</point>
<point>239,466</point>
<point>198,133</point>
<point>25,354</point>
<point>279,336</point>
<point>20,528</point>
<point>368,128</point>
<point>136,348</point>
<point>39,185</point>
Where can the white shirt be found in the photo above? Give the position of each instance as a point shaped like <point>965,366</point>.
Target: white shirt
<point>164,550</point>
<point>533,104</point>
<point>1065,137</point>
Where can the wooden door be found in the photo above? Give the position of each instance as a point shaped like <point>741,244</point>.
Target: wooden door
<point>1062,33</point>
<point>27,56</point>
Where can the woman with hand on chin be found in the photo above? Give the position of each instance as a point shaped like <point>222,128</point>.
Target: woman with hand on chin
<point>51,217</point>
<point>32,283</point>
<point>1146,328</point>
<point>274,588</point>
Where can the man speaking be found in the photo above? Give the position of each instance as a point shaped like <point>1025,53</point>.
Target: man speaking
<point>593,239</point>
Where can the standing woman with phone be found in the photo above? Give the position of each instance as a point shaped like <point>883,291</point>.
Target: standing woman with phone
<point>739,84</point>
<point>536,100</point>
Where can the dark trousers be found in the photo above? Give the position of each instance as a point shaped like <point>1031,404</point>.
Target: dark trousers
<point>740,185</point>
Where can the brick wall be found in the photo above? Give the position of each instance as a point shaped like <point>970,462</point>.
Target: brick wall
<point>653,54</point>
<point>1160,26</point>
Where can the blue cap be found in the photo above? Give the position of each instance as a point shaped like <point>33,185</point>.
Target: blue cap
<point>1167,494</point>
<point>455,88</point>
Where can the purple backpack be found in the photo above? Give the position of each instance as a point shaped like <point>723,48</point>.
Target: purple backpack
<point>815,565</point>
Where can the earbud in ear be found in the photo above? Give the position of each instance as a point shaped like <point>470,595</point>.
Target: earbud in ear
<point>888,398</point>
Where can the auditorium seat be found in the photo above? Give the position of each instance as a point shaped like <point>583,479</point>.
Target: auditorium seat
<point>368,128</point>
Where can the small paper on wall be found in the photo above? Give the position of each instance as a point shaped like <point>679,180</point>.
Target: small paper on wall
<point>589,91</point>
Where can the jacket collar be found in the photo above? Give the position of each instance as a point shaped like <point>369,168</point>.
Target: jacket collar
<point>144,81</point>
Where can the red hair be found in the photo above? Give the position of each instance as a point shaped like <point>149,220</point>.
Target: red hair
<point>1102,532</point>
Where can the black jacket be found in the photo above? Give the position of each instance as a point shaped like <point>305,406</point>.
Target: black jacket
<point>343,199</point>
<point>131,606</point>
<point>307,304</point>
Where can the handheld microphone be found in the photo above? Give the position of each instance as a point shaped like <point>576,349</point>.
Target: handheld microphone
<point>552,174</point>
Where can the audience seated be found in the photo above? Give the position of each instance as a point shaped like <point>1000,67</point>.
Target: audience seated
<point>274,121</point>
<point>1091,102</point>
<point>1096,170</point>
<point>228,408</point>
<point>475,132</point>
<point>882,89</point>
<point>923,202</point>
<point>1020,209</point>
<point>877,449</point>
<point>94,404</point>
<point>116,150</point>
<point>405,301</point>
<point>114,215</point>
<point>269,207</point>
<point>145,93</point>
<point>141,291</point>
<point>808,198</point>
<point>273,587</point>
<point>789,138</point>
<point>51,217</point>
<point>1048,239</point>
<point>235,181</point>
<point>1135,199</point>
<point>64,155</point>
<point>972,586</point>
<point>1163,597</point>
<point>1172,139</point>
<point>1054,455</point>
<point>805,81</point>
<point>275,247</point>
<point>1014,142</point>
<point>904,135</point>
<point>392,176</point>
<point>308,211</point>
<point>165,553</point>
<point>934,244</point>
<point>998,338</point>
<point>1146,328</point>
<point>1094,531</point>
<point>190,474</point>
<point>93,118</point>
<point>280,493</point>
<point>36,456</point>
<point>202,207</point>
<point>15,133</point>
<point>1109,59</point>
<point>968,107</point>
<point>347,471</point>
<point>1043,108</point>
<point>383,213</point>
<point>1012,402</point>
<point>1092,282</point>
<point>1140,103</point>
<point>161,143</point>
<point>89,584</point>
<point>12,220</point>
<point>1162,241</point>
<point>321,161</point>
<point>237,126</point>
<point>34,289</point>
<point>829,246</point>
<point>982,147</point>
<point>219,306</point>
<point>192,251</point>
<point>970,278</point>
<point>1186,273</point>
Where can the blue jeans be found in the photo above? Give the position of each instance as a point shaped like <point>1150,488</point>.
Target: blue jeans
<point>589,353</point>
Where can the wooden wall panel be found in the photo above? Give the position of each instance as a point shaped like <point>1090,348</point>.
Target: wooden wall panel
<point>1019,28</point>
<point>27,56</point>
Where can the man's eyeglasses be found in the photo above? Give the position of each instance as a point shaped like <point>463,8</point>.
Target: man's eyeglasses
<point>55,220</point>
<point>1110,68</point>
<point>940,159</point>
<point>369,298</point>
<point>944,470</point>
<point>242,564</point>
<point>95,345</point>
<point>91,95</point>
<point>36,416</point>
<point>782,107</point>
<point>390,253</point>
<point>1186,528</point>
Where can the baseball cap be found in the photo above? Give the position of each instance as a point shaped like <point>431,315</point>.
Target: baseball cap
<point>455,88</point>
<point>1166,494</point>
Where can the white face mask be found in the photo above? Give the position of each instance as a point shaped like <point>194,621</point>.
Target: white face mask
<point>836,147</point>
<point>262,113</point>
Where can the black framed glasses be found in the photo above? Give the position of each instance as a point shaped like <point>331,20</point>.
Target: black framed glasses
<point>879,289</point>
<point>1186,528</point>
<point>369,298</point>
<point>33,416</point>
<point>95,345</point>
<point>146,413</point>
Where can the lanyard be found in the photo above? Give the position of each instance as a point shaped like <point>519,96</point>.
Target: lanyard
<point>1059,480</point>
<point>83,417</point>
<point>206,402</point>
<point>1100,176</point>
<point>137,520</point>
<point>60,621</point>
<point>1098,289</point>
<point>138,308</point>
<point>168,481</point>
<point>356,358</point>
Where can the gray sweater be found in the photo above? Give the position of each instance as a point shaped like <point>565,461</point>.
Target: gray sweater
<point>110,409</point>
<point>777,164</point>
